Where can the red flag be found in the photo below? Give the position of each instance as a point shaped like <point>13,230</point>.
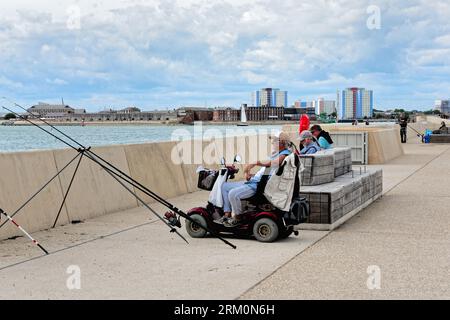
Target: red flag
<point>304,123</point>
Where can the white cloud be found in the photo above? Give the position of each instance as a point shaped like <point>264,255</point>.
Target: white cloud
<point>133,48</point>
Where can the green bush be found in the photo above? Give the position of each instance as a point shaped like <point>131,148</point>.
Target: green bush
<point>10,116</point>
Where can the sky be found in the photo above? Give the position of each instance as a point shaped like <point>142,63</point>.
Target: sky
<point>170,53</point>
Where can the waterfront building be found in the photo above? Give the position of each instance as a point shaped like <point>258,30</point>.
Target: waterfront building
<point>47,110</point>
<point>265,113</point>
<point>443,106</point>
<point>270,97</point>
<point>227,115</point>
<point>357,103</point>
<point>325,106</point>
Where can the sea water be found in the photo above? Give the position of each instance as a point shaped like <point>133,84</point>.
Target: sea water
<point>26,138</point>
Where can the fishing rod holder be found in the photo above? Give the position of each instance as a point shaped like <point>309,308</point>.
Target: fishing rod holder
<point>173,217</point>
<point>83,150</point>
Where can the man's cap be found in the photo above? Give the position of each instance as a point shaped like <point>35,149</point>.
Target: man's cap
<point>305,135</point>
<point>316,128</point>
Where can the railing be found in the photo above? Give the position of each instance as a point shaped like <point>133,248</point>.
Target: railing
<point>358,141</point>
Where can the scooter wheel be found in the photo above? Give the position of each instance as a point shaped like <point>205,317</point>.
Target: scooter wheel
<point>266,230</point>
<point>194,229</point>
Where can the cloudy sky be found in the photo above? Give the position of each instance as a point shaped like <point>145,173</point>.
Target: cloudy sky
<point>167,53</point>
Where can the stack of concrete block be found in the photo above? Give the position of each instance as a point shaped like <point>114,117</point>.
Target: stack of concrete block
<point>319,169</point>
<point>347,193</point>
<point>343,161</point>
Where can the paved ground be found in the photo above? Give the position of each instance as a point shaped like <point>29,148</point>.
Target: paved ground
<point>406,234</point>
<point>126,255</point>
<point>140,259</point>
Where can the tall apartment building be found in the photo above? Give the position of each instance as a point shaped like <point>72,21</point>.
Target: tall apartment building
<point>357,103</point>
<point>320,106</point>
<point>443,106</point>
<point>325,106</point>
<point>269,97</point>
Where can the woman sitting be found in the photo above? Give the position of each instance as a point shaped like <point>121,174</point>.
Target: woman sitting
<point>323,138</point>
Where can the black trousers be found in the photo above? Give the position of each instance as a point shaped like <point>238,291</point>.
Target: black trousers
<point>403,135</point>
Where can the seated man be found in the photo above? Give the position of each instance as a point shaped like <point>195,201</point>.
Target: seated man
<point>323,138</point>
<point>442,130</point>
<point>234,193</point>
<point>309,145</point>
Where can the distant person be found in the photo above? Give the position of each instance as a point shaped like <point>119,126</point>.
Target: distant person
<point>309,145</point>
<point>323,138</point>
<point>403,121</point>
<point>442,130</point>
<point>367,123</point>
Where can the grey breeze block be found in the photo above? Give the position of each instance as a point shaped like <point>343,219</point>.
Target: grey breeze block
<point>332,201</point>
<point>319,169</point>
<point>342,160</point>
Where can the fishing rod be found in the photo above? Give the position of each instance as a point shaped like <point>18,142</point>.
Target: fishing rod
<point>147,191</point>
<point>84,151</point>
<point>118,173</point>
<point>418,133</point>
<point>41,189</point>
<point>23,231</point>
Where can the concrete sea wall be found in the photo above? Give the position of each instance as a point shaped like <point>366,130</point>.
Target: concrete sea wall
<point>163,167</point>
<point>159,166</point>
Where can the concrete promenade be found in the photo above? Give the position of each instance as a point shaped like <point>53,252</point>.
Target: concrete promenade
<point>406,234</point>
<point>126,255</point>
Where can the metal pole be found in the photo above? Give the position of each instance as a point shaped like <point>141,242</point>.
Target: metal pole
<point>42,188</point>
<point>68,189</point>
<point>113,169</point>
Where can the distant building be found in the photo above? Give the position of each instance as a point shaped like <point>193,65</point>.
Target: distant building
<point>325,106</point>
<point>443,106</point>
<point>265,113</point>
<point>196,114</point>
<point>357,103</point>
<point>262,114</point>
<point>226,115</point>
<point>45,109</point>
<point>269,97</point>
<point>130,110</point>
<point>316,107</point>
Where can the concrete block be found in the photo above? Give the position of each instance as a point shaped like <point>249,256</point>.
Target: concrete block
<point>94,192</point>
<point>22,174</point>
<point>341,197</point>
<point>153,166</point>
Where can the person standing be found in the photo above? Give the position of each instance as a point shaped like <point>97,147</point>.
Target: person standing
<point>403,121</point>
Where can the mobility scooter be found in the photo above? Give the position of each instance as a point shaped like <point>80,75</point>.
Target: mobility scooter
<point>260,218</point>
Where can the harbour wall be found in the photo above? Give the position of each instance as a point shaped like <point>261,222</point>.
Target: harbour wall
<point>158,166</point>
<point>167,168</point>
